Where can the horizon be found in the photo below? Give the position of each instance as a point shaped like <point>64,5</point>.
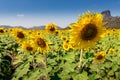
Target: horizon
<point>29,13</point>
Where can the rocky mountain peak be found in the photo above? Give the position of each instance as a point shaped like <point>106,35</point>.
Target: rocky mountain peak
<point>112,21</point>
<point>106,13</point>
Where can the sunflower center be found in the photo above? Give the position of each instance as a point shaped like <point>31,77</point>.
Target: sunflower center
<point>99,57</point>
<point>64,38</point>
<point>52,29</point>
<point>20,35</point>
<point>66,46</point>
<point>56,32</point>
<point>29,48</point>
<point>1,31</point>
<point>89,32</point>
<point>41,43</point>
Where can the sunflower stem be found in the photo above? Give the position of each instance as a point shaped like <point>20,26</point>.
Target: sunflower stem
<point>46,65</point>
<point>98,69</point>
<point>80,59</point>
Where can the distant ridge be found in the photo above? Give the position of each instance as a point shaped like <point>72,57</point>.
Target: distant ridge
<point>112,22</point>
<point>33,28</point>
<point>42,27</point>
<point>7,26</point>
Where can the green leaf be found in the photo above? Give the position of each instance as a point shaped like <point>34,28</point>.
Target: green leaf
<point>114,67</point>
<point>108,64</point>
<point>92,76</point>
<point>105,78</point>
<point>33,75</point>
<point>82,76</point>
<point>67,67</point>
<point>51,62</point>
<point>94,67</point>
<point>64,77</point>
<point>39,58</point>
<point>69,57</point>
<point>30,58</point>
<point>117,74</point>
<point>111,72</point>
<point>88,55</point>
<point>18,58</point>
<point>21,71</point>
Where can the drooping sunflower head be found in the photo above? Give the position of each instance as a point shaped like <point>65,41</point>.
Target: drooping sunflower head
<point>28,47</point>
<point>100,56</point>
<point>51,28</point>
<point>41,43</point>
<point>87,30</point>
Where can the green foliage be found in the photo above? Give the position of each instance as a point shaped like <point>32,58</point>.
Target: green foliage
<point>58,64</point>
<point>21,71</point>
<point>5,66</point>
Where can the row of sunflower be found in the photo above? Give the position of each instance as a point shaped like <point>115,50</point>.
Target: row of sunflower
<point>87,51</point>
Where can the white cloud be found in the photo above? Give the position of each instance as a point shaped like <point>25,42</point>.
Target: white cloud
<point>20,15</point>
<point>30,20</point>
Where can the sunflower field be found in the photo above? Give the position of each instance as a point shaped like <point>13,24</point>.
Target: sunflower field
<point>86,51</point>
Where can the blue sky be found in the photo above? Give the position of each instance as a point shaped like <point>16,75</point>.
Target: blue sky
<point>30,13</point>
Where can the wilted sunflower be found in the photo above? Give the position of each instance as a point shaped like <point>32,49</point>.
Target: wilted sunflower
<point>87,30</point>
<point>51,28</point>
<point>28,47</point>
<point>19,34</point>
<point>41,44</point>
<point>100,56</point>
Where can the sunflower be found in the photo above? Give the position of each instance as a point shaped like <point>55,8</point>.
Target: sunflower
<point>111,50</point>
<point>2,30</point>
<point>57,32</point>
<point>10,30</point>
<point>87,30</point>
<point>28,47</point>
<point>64,38</point>
<point>100,56</point>
<point>19,34</point>
<point>51,28</point>
<point>66,46</point>
<point>41,44</point>
<point>72,45</point>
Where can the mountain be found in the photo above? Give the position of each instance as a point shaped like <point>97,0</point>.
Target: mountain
<point>112,21</point>
<point>106,13</point>
<point>7,26</point>
<point>34,27</point>
<point>42,27</point>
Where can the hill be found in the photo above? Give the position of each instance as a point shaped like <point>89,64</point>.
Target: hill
<point>112,22</point>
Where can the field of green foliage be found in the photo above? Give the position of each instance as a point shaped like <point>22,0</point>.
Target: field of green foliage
<point>62,61</point>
